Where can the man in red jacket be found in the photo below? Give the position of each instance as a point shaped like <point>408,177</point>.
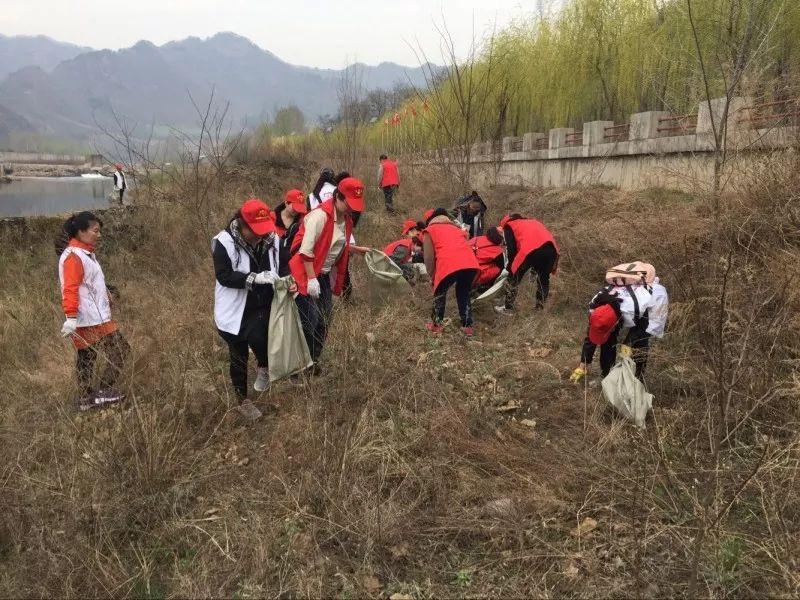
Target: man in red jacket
<point>388,180</point>
<point>530,247</point>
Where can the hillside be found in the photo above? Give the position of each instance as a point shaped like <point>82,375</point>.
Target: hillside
<point>147,83</point>
<point>416,466</point>
<point>17,52</point>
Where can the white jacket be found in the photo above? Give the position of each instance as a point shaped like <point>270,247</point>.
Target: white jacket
<point>326,193</point>
<point>229,302</point>
<point>94,307</point>
<point>659,308</point>
<point>628,306</point>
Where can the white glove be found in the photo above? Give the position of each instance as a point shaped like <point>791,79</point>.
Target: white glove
<point>313,288</point>
<point>69,326</point>
<point>265,278</point>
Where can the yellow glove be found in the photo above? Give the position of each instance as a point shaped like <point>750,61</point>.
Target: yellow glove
<point>625,350</point>
<point>578,374</point>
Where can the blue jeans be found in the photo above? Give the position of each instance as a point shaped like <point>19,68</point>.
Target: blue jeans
<point>316,315</point>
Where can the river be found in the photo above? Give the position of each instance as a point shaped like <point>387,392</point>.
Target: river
<point>47,196</point>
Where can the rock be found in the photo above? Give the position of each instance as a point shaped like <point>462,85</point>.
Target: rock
<point>509,406</point>
<point>501,507</point>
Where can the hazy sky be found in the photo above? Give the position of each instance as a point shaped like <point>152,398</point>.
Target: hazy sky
<point>305,32</point>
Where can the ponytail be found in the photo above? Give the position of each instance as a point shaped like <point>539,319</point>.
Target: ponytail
<point>80,222</point>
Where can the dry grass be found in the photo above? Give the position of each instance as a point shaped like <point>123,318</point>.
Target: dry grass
<point>395,473</point>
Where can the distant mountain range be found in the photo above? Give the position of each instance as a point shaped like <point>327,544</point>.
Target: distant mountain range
<point>63,90</point>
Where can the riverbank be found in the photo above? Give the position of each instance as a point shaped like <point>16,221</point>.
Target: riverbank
<point>415,466</point>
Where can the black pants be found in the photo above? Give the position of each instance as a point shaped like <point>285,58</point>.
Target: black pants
<point>347,287</point>
<point>639,341</point>
<point>463,281</point>
<point>316,315</point>
<point>540,263</point>
<point>388,193</point>
<point>113,349</point>
<point>252,336</point>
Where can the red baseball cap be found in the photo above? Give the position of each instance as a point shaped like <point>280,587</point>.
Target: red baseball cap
<point>428,214</point>
<point>258,217</point>
<point>353,191</point>
<point>297,200</point>
<point>408,225</point>
<point>602,321</point>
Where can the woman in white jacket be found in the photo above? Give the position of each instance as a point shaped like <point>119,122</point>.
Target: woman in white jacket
<point>86,302</point>
<point>246,262</point>
<point>641,309</point>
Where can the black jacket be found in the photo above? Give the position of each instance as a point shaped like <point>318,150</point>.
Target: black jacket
<point>258,296</point>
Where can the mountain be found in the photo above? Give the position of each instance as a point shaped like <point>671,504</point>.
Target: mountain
<point>10,122</point>
<point>151,84</point>
<point>40,51</point>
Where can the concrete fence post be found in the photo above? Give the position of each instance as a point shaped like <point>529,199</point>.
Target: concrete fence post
<point>558,137</point>
<point>736,110</point>
<point>529,141</point>
<point>644,125</point>
<point>594,132</point>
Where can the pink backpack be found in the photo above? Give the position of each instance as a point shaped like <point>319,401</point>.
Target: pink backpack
<point>633,273</point>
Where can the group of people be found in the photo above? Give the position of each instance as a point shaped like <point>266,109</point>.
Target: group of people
<point>310,237</point>
<point>459,252</point>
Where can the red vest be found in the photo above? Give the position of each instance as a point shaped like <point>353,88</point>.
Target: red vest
<point>450,249</point>
<point>530,235</point>
<point>407,242</point>
<point>391,176</point>
<point>321,248</point>
<point>486,252</point>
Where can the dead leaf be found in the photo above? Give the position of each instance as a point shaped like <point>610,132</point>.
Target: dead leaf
<point>400,550</point>
<point>572,570</point>
<point>539,352</point>
<point>211,511</point>
<point>528,422</point>
<point>371,584</point>
<point>508,406</point>
<point>399,596</point>
<point>586,526</point>
<point>243,462</point>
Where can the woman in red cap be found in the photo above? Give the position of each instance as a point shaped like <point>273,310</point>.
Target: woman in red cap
<point>530,247</point>
<point>409,247</point>
<point>488,250</point>
<point>246,263</point>
<point>449,261</point>
<point>604,324</point>
<point>320,255</point>
<point>288,216</point>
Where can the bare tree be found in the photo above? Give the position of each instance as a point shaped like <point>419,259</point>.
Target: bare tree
<point>187,170</point>
<point>350,91</point>
<point>459,99</point>
<point>740,33</point>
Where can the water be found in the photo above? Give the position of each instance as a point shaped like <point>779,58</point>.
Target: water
<point>42,196</point>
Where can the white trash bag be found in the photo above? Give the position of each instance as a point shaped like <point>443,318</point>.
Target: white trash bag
<point>496,288</point>
<point>287,349</point>
<point>626,393</point>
